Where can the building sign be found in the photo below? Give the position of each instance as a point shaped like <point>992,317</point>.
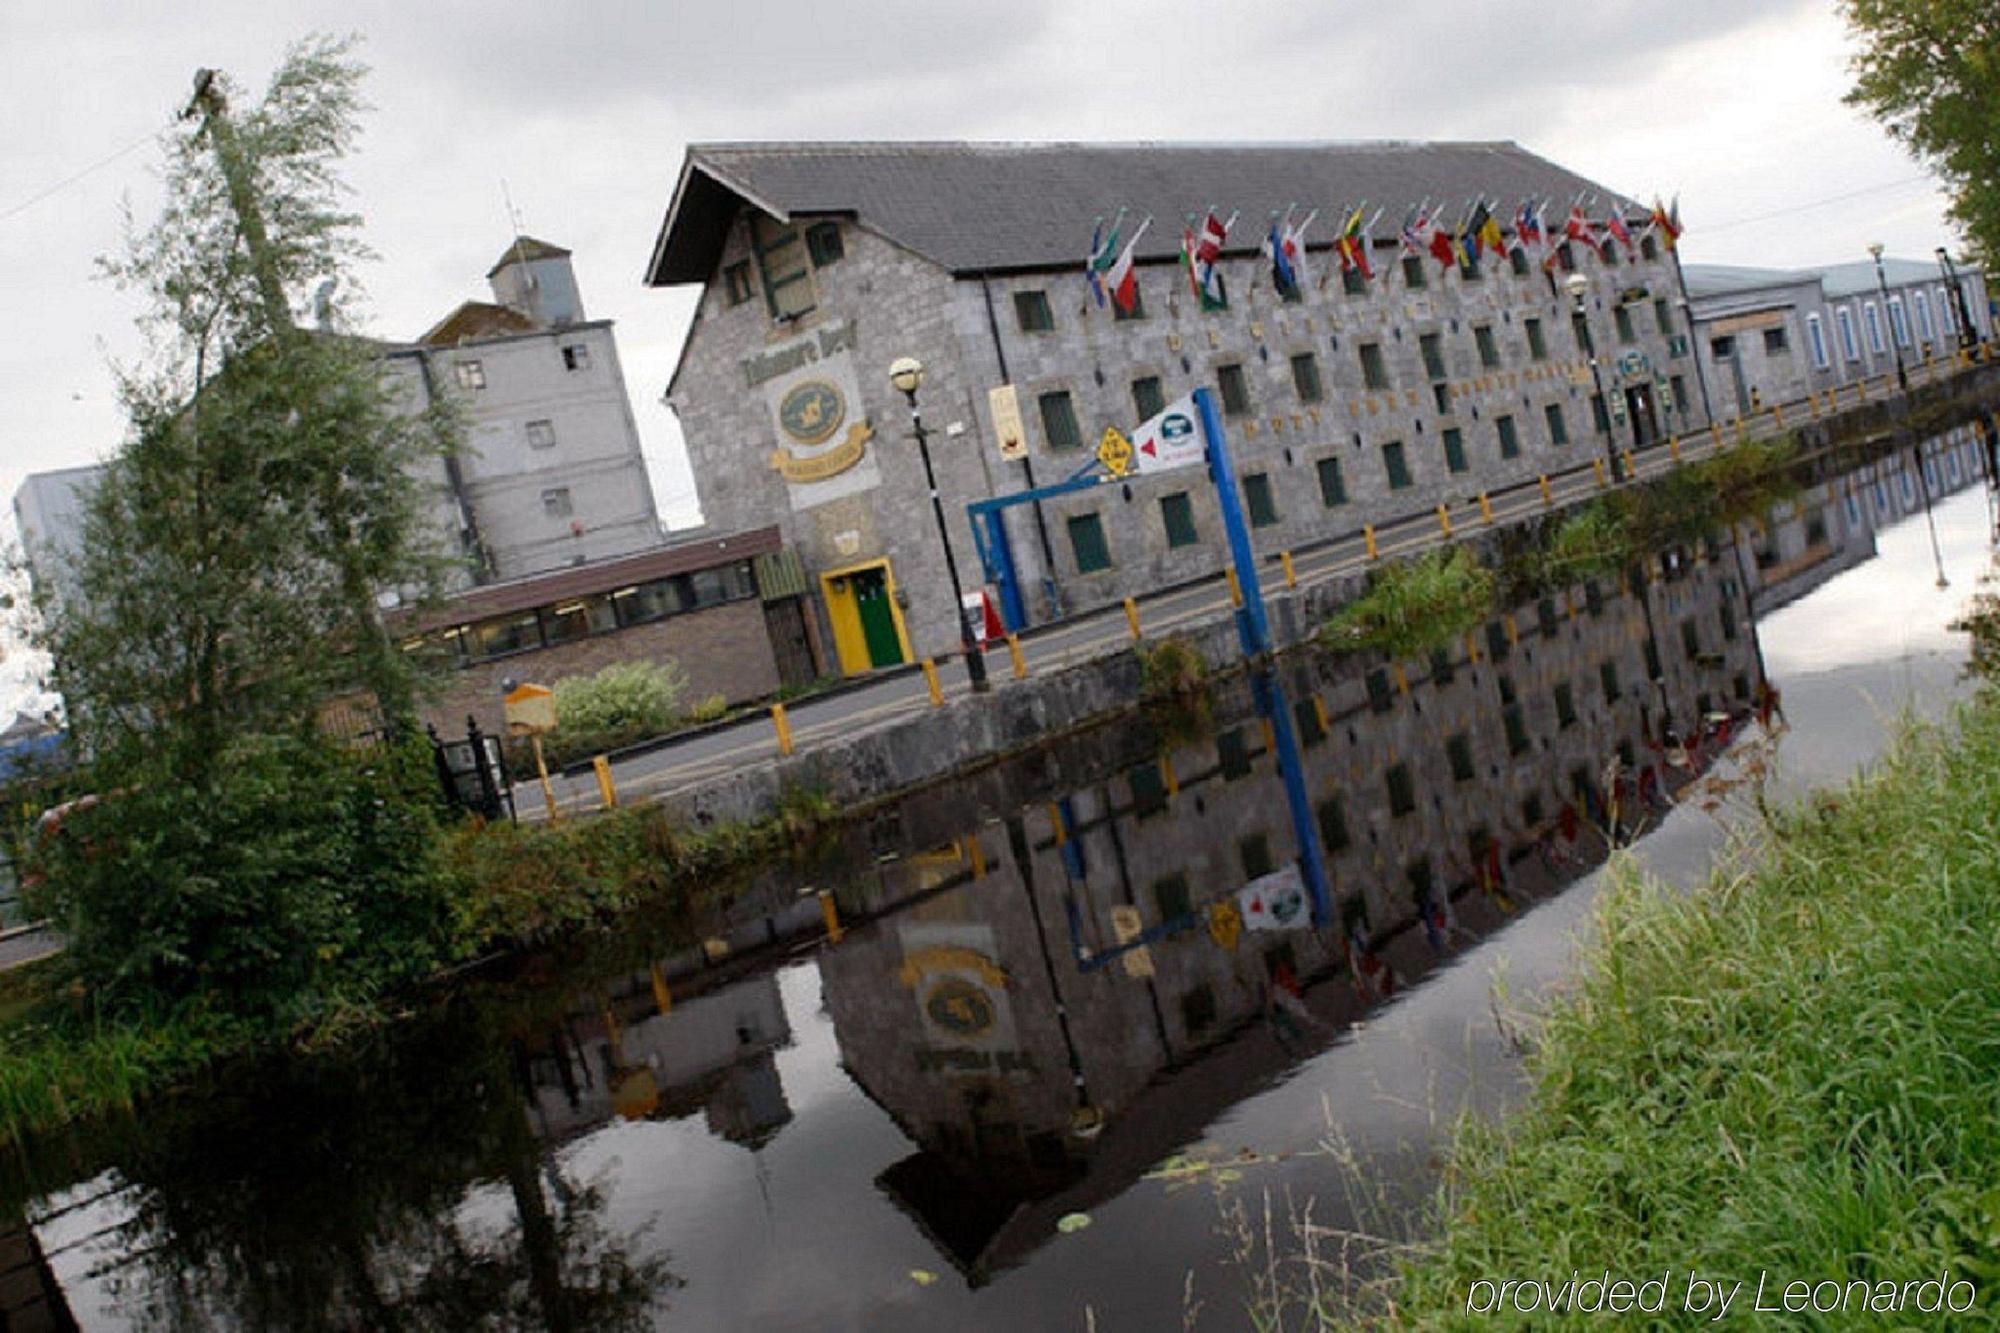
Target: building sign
<point>962,1001</point>
<point>1276,901</point>
<point>1004,406</point>
<point>1633,363</point>
<point>822,437</point>
<point>1170,440</point>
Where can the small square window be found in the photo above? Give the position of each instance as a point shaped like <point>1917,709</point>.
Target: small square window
<point>824,245</point>
<point>1489,351</point>
<point>576,356</point>
<point>1059,420</point>
<point>1413,273</point>
<point>556,503</point>
<point>736,282</point>
<point>1257,499</point>
<point>1232,753</point>
<point>1235,390</point>
<point>1332,826</point>
<point>1031,310</point>
<point>1177,514</point>
<point>1774,342</point>
<point>471,374</point>
<point>1086,541</point>
<point>1538,344</point>
<point>1565,706</point>
<point>1352,282</point>
<point>1402,792</point>
<point>1454,449</point>
<point>1374,371</point>
<point>541,435</point>
<point>1332,488</point>
<point>1558,427</point>
<point>1148,399</point>
<point>1458,750</point>
<point>1305,378</point>
<point>1394,466</point>
<point>1172,897</point>
<point>1510,438</point>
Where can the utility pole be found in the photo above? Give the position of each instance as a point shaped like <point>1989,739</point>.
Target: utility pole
<point>209,104</point>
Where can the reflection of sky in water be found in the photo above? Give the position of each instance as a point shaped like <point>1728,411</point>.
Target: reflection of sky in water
<point>1891,607</point>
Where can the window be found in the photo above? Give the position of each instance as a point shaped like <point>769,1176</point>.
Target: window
<point>1374,373</point>
<point>823,244</point>
<point>1510,438</point>
<point>1775,342</point>
<point>1558,428</point>
<point>1353,283</point>
<point>1566,257</point>
<point>1333,826</point>
<point>1607,676</point>
<point>1663,317</point>
<point>471,374</point>
<point>556,503</point>
<point>1171,896</point>
<point>1728,616</point>
<point>1458,750</point>
<point>1600,415</point>
<point>1723,348</point>
<point>1621,315</point>
<point>576,356</point>
<point>1690,639</point>
<point>1923,315</point>
<point>1402,792</point>
<point>1517,729</point>
<point>736,282</point>
<point>1489,351</point>
<point>1177,514</point>
<point>1120,315</point>
<point>503,635</point>
<point>782,260</point>
<point>1305,717</point>
<point>1517,258</point>
<point>1441,395</point>
<point>1816,341</point>
<point>1565,706</point>
<point>1257,499</point>
<point>579,619</point>
<point>1149,791</point>
<point>1380,697</point>
<point>1305,377</point>
<point>1545,617</point>
<point>1433,353</point>
<point>1579,329</point>
<point>1059,420</point>
<point>1677,388</point>
<point>1873,320</point>
<point>1413,272</point>
<point>1899,324</point>
<point>1235,390</point>
<point>1148,399</point>
<point>1844,317</point>
<point>1497,647</point>
<point>1441,668</point>
<point>1255,853</point>
<point>1593,598</point>
<point>1232,754</point>
<point>1086,541</point>
<point>1454,449</point>
<point>1032,313</point>
<point>1538,345</point>
<point>1198,1009</point>
<point>1648,247</point>
<point>1468,264</point>
<point>1394,466</point>
<point>541,435</point>
<point>1608,252</point>
<point>1332,489</point>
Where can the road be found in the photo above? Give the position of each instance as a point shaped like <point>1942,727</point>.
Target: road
<point>1051,648</point>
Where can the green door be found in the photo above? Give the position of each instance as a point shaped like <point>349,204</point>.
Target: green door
<point>878,618</point>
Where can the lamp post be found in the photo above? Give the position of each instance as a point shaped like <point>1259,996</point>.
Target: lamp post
<point>1600,417</point>
<point>1882,286</point>
<point>907,373</point>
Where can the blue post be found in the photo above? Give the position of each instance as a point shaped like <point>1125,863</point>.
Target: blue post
<point>1003,573</point>
<point>1253,630</point>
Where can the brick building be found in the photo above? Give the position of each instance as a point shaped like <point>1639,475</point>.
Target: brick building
<point>1353,402</point>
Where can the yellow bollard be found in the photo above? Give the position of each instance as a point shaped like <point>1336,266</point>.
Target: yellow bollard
<point>1485,509</point>
<point>1368,538</point>
<point>542,771</point>
<point>1778,415</point>
<point>975,852</point>
<point>1861,390</point>
<point>1402,677</point>
<point>931,679</point>
<point>829,912</point>
<point>1132,616</point>
<point>663,995</point>
<point>1167,772</point>
<point>1291,574</point>
<point>604,784</point>
<point>1742,430</point>
<point>1444,520</point>
<point>1020,662</point>
<point>1674,447</point>
<point>1319,711</point>
<point>1056,824</point>
<point>783,725</point>
<point>1235,589</point>
<point>1548,496</point>
<point>1513,630</point>
<point>1597,470</point>
<point>1270,736</point>
<point>1471,649</point>
<point>1631,468</point>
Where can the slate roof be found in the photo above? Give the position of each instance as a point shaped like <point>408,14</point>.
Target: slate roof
<point>1859,276</point>
<point>526,248</point>
<point>994,207</point>
<point>1718,279</point>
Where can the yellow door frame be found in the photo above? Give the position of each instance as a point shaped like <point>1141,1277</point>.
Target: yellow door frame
<point>848,644</point>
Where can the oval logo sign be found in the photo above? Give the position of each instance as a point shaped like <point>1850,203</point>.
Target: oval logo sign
<point>811,412</point>
<point>1175,426</point>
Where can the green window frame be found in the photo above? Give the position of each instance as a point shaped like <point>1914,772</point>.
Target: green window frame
<point>1489,350</point>
<point>1087,544</point>
<point>1148,398</point>
<point>1402,791</point>
<point>1171,896</point>
<point>1431,348</point>
<point>1395,466</point>
<point>1305,378</point>
<point>1510,436</point>
<point>1059,420</point>
<point>1607,676</point>
<point>1149,790</point>
<point>1258,500</point>
<point>1458,752</point>
<point>1374,370</point>
<point>1254,851</point>
<point>1538,342</point>
<point>736,282</point>
<point>1558,425</point>
<point>783,265</point>
<point>1454,450</point>
<point>1032,312</point>
<point>1332,486</point>
<point>1663,316</point>
<point>1565,705</point>
<point>1621,315</point>
<point>824,244</point>
<point>1177,516</point>
<point>1235,390</point>
<point>1333,834</point>
<point>1414,277</point>
<point>1352,282</point>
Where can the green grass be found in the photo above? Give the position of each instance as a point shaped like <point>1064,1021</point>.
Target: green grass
<point>1793,1072</point>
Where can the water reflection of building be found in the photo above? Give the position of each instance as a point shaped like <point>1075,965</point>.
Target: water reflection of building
<point>996,1018</point>
<point>643,1053</point>
<point>30,1300</point>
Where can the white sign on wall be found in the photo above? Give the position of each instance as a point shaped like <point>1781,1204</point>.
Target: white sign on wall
<point>1170,440</point>
<point>815,401</point>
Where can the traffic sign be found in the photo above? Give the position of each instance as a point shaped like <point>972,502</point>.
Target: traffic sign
<point>530,709</point>
<point>1115,452</point>
<point>1170,440</point>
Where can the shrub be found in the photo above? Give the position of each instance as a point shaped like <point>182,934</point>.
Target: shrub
<point>712,709</point>
<point>1174,691</point>
<point>624,703</point>
<point>1415,605</point>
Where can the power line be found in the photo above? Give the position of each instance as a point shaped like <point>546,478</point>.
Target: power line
<point>1813,203</point>
<point>67,181</point>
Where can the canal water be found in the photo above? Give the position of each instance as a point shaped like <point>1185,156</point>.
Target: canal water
<point>1069,1064</point>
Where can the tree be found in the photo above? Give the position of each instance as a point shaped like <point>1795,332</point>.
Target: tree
<point>1929,70</point>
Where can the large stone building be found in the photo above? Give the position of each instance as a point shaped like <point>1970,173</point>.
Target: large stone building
<point>1351,402</point>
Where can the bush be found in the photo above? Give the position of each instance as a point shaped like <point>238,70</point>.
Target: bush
<point>1415,605</point>
<point>623,703</point>
<point>712,709</point>
<point>298,876</point>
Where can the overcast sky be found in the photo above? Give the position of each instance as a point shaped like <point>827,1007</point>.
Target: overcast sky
<point>1735,104</point>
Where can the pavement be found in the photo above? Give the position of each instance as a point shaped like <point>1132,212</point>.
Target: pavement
<point>1046,649</point>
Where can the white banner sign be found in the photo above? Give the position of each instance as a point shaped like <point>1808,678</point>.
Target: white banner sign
<point>1276,901</point>
<point>1170,440</point>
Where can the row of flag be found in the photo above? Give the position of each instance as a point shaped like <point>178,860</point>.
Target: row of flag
<point>1479,230</point>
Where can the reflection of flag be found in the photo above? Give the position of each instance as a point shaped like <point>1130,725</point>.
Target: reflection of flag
<point>1276,901</point>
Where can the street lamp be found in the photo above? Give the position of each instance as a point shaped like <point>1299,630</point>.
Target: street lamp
<point>1967,334</point>
<point>1577,285</point>
<point>1882,285</point>
<point>907,373</point>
